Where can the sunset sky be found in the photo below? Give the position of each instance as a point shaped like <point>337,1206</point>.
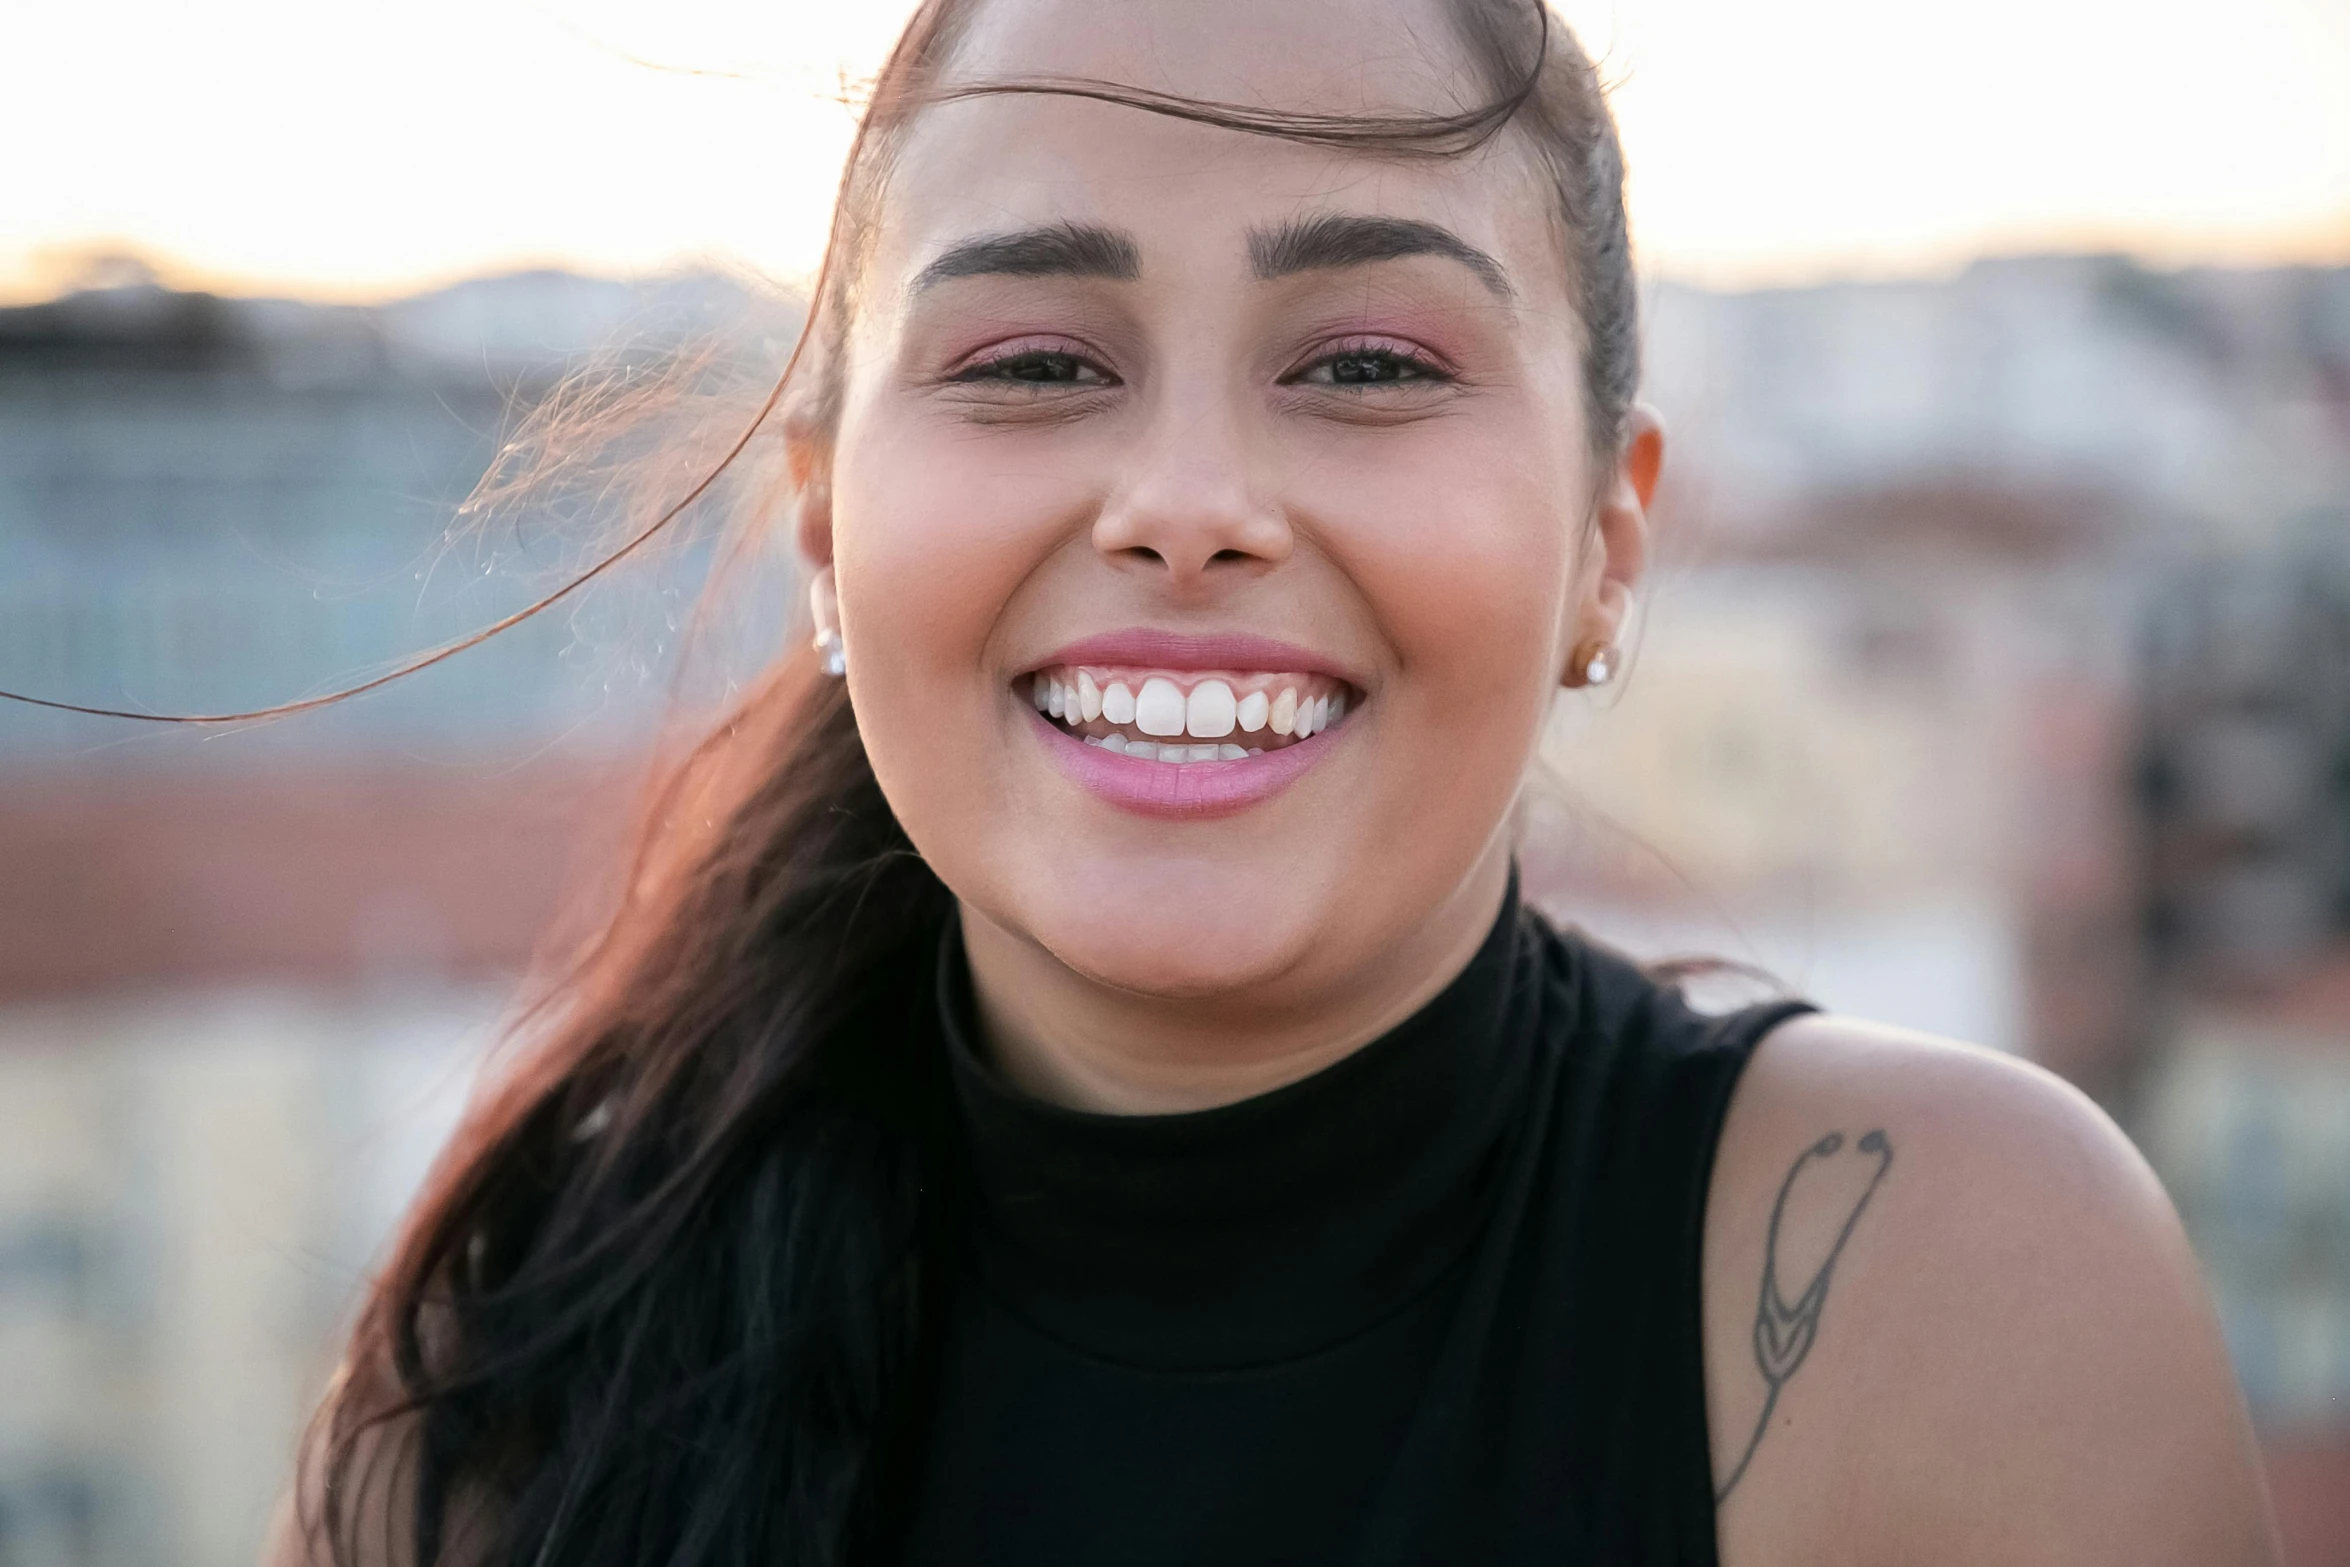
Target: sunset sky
<point>357,151</point>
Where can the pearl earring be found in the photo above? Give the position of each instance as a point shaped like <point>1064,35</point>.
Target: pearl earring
<point>1593,664</point>
<point>832,654</point>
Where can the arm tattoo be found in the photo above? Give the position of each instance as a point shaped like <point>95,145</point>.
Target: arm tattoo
<point>1784,1329</point>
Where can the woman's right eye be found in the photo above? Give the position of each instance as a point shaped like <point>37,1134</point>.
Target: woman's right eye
<point>1036,367</point>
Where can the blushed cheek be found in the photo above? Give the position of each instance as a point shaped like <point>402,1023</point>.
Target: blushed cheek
<point>916,599</point>
<point>1467,579</point>
<point>934,535</point>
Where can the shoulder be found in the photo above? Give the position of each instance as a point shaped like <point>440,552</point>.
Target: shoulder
<point>1950,1315</point>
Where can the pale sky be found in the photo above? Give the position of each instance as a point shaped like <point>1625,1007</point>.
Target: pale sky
<point>332,149</point>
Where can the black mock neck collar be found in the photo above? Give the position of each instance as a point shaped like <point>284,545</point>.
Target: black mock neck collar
<point>1259,1231</point>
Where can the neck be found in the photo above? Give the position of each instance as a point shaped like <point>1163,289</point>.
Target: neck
<point>1074,1041</point>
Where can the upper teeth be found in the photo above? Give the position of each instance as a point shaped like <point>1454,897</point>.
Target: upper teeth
<point>1158,705</point>
<point>1161,710</point>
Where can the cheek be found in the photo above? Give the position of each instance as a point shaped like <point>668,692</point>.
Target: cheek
<point>1466,556</point>
<point>934,535</point>
<point>931,538</point>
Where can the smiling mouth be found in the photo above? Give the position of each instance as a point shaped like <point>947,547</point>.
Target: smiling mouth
<point>1186,716</point>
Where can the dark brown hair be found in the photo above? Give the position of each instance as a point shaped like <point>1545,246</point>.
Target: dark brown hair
<point>662,1301</point>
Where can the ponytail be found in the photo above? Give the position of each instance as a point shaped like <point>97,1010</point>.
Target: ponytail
<point>659,1301</point>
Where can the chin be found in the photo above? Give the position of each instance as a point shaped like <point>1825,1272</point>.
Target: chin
<point>1175,946</point>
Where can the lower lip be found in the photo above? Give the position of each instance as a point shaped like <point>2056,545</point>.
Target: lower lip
<point>1180,789</point>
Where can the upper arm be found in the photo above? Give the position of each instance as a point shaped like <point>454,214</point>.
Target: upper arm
<point>1987,1337</point>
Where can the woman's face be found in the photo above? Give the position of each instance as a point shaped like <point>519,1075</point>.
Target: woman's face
<point>1263,467</point>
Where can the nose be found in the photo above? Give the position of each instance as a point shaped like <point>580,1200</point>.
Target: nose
<point>1195,504</point>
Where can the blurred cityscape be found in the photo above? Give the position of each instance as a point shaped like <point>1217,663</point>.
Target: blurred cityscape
<point>1994,680</point>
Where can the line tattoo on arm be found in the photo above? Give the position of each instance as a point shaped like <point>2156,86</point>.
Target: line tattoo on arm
<point>1784,1330</point>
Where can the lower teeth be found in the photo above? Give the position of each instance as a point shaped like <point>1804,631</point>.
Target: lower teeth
<point>1151,752</point>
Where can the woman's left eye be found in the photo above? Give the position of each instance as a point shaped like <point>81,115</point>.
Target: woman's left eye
<point>1355,367</point>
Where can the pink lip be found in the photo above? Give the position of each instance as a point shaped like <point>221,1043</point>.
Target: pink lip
<point>1180,789</point>
<point>1178,650</point>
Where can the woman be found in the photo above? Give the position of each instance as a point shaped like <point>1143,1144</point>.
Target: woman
<point>1073,1081</point>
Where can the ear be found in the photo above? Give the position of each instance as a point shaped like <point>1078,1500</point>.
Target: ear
<point>808,460</point>
<point>1620,538</point>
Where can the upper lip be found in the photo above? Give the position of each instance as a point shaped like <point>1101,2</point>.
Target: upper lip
<point>1143,647</point>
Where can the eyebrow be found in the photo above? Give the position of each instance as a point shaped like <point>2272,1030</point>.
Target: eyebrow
<point>1054,250</point>
<point>1338,239</point>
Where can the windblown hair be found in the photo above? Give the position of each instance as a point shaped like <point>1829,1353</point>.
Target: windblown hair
<point>663,1299</point>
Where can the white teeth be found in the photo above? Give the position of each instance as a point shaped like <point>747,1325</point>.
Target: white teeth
<point>1208,712</point>
<point>1159,710</point>
<point>1211,711</point>
<point>1182,755</point>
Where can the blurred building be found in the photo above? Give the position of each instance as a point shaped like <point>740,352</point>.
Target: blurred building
<point>1962,697</point>
<point>245,974</point>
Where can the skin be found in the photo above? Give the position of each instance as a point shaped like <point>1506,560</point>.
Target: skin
<point>2016,1361</point>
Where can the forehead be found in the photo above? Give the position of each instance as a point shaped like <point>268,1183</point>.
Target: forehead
<point>996,163</point>
<point>1336,56</point>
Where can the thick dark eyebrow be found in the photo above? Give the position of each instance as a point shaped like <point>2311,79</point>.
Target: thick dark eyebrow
<point>1055,250</point>
<point>1339,239</point>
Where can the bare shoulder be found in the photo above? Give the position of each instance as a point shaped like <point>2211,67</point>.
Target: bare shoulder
<point>1951,1317</point>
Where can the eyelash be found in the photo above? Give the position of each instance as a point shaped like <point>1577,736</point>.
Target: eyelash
<point>995,367</point>
<point>1418,367</point>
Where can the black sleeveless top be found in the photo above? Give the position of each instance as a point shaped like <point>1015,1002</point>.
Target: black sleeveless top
<point>1436,1304</point>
